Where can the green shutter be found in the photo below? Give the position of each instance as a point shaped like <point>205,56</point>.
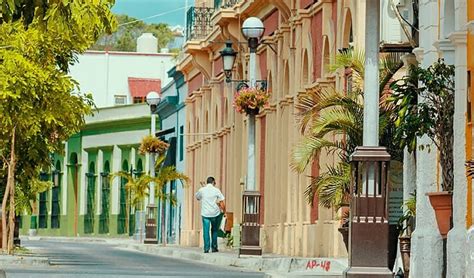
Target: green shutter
<point>123,207</point>
<point>43,205</point>
<point>55,203</point>
<point>89,217</point>
<point>104,216</point>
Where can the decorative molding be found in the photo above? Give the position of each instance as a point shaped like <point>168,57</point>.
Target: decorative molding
<point>419,53</point>
<point>443,45</point>
<point>470,26</point>
<point>458,38</point>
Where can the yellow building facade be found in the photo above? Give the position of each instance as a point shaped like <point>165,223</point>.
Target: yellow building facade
<point>301,39</point>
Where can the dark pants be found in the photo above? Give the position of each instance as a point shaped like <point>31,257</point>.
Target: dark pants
<point>214,222</point>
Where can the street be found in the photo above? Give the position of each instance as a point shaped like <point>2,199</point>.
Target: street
<point>96,259</point>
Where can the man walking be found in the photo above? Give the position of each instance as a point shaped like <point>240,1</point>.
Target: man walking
<point>212,205</point>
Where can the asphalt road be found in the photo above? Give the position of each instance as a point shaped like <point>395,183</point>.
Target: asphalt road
<point>79,259</point>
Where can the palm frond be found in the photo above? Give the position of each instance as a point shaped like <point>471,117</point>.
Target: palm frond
<point>331,187</point>
<point>305,150</point>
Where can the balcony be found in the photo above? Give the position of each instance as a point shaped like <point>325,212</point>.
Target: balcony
<point>224,4</point>
<point>198,24</point>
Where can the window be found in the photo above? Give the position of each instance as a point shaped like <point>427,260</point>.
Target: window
<point>56,192</point>
<point>89,217</point>
<point>138,99</point>
<point>104,216</point>
<point>43,205</point>
<point>181,143</point>
<point>120,99</point>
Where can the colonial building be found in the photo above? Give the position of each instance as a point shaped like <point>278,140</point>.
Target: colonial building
<point>172,117</point>
<point>84,200</point>
<point>300,40</point>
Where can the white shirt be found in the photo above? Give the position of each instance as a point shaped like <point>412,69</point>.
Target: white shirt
<point>209,197</point>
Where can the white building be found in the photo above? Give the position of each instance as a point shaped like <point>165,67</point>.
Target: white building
<point>116,78</point>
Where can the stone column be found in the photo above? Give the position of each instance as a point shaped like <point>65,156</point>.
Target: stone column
<point>116,167</point>
<point>457,236</point>
<point>98,193</point>
<point>427,245</point>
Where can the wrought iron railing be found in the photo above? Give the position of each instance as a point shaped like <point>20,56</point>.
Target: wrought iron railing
<point>198,24</point>
<point>218,4</point>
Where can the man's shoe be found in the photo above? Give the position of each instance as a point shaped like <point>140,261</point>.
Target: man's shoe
<point>206,251</point>
<point>215,250</point>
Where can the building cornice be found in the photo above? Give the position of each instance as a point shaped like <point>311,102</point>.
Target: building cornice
<point>470,27</point>
<point>419,53</point>
<point>458,38</point>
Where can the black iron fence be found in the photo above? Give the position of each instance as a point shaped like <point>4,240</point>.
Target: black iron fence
<point>198,24</point>
<point>218,4</point>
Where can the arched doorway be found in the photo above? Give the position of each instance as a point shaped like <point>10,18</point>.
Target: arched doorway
<point>105,200</point>
<point>123,212</point>
<point>56,196</point>
<point>73,180</point>
<point>90,201</point>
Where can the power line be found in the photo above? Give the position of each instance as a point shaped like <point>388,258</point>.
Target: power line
<point>153,16</point>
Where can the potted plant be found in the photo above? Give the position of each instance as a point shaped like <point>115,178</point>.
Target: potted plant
<point>406,224</point>
<point>250,100</point>
<point>151,144</point>
<point>432,117</point>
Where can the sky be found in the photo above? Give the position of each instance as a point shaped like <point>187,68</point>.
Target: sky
<point>167,11</point>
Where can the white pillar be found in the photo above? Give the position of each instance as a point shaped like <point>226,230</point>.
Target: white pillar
<point>371,77</point>
<point>251,129</point>
<point>427,245</point>
<point>151,199</point>
<point>100,169</point>
<point>116,167</point>
<point>83,184</point>
<point>457,235</point>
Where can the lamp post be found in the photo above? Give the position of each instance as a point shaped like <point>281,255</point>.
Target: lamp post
<point>153,99</point>
<point>368,220</point>
<point>252,29</point>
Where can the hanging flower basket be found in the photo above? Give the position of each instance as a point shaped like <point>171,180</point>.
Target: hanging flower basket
<point>250,100</point>
<point>152,144</point>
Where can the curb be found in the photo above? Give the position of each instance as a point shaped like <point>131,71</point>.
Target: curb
<point>6,260</point>
<point>275,267</point>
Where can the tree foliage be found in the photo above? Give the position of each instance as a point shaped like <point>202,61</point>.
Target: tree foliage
<point>124,39</point>
<point>434,116</point>
<point>40,104</point>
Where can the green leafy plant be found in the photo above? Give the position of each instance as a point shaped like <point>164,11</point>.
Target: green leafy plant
<point>434,116</point>
<point>324,112</point>
<point>406,221</point>
<point>152,144</point>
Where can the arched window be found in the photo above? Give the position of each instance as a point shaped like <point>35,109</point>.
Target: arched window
<point>123,213</point>
<point>448,19</point>
<point>286,81</point>
<point>305,69</point>
<point>105,199</point>
<point>56,196</point>
<point>90,201</point>
<point>347,38</point>
<point>326,56</point>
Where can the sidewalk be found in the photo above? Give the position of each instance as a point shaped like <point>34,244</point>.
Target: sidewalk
<point>273,265</point>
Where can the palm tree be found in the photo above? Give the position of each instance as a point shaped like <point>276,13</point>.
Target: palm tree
<point>328,112</point>
<point>137,187</point>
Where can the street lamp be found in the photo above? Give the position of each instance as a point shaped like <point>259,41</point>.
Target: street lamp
<point>228,58</point>
<point>253,30</point>
<point>153,99</point>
